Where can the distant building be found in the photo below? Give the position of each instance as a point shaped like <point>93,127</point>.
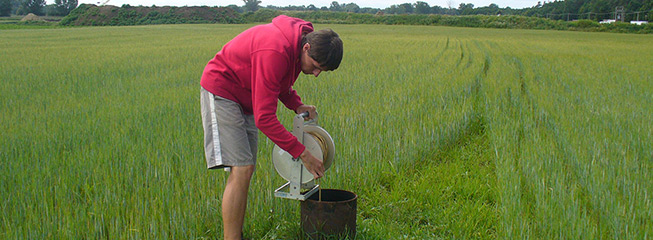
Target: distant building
<point>631,22</point>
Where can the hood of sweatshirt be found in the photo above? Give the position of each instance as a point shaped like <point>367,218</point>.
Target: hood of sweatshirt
<point>293,29</point>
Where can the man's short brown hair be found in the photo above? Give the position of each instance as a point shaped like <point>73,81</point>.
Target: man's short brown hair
<point>326,48</point>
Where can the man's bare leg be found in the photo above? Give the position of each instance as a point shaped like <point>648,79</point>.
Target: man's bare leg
<point>234,201</point>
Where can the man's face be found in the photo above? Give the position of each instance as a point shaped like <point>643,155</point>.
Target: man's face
<point>309,65</point>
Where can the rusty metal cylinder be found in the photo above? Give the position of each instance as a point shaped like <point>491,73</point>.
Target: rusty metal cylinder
<point>333,216</point>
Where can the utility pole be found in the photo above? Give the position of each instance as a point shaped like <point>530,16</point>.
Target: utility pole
<point>619,13</point>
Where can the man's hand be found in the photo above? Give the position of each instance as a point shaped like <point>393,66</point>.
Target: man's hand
<point>312,111</point>
<point>312,164</point>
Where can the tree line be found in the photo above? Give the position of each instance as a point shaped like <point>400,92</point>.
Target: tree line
<point>38,7</point>
<point>557,10</point>
<point>418,7</point>
<point>592,9</point>
<point>92,15</point>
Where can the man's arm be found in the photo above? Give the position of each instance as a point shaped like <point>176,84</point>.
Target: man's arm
<point>290,99</point>
<point>265,92</point>
<point>266,75</point>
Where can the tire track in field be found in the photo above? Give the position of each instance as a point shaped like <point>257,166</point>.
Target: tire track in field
<point>533,195</point>
<point>575,178</point>
<point>461,166</point>
<point>442,52</point>
<point>458,179</point>
<point>462,53</point>
<point>474,125</point>
<point>527,195</point>
<point>601,201</point>
<point>520,103</point>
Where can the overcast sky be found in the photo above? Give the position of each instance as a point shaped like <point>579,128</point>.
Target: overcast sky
<point>317,3</point>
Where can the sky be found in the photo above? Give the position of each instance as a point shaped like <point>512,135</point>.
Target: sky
<point>516,4</point>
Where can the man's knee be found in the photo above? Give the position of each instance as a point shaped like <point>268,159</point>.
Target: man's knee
<point>243,171</point>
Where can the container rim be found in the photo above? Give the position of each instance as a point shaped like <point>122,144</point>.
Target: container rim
<point>350,196</point>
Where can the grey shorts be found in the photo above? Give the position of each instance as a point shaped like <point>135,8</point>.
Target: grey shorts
<point>230,136</point>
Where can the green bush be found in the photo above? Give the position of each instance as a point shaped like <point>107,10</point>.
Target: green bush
<point>224,15</point>
<point>91,15</point>
<point>622,27</point>
<point>648,29</point>
<point>585,23</point>
<point>261,15</point>
<point>75,14</point>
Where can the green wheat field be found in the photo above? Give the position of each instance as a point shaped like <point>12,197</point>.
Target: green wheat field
<point>442,132</point>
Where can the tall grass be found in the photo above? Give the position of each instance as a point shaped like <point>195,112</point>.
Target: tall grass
<point>442,132</point>
<point>570,136</point>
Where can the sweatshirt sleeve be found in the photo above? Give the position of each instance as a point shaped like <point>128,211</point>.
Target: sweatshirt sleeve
<point>268,69</point>
<point>290,99</point>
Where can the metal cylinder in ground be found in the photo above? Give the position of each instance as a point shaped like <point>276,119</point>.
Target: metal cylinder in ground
<point>334,216</point>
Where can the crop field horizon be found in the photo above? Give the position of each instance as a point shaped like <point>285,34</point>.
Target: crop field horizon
<point>444,133</point>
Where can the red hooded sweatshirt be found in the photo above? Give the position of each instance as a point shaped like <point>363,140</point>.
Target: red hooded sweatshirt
<point>256,69</point>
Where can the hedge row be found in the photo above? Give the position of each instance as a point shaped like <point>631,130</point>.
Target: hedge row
<point>483,21</point>
<point>87,14</point>
<point>92,15</point>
